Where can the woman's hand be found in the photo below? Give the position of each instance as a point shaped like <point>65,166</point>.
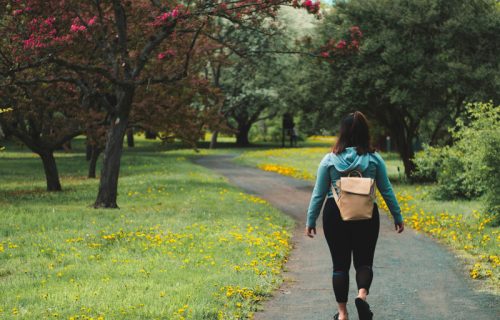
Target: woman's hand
<point>399,227</point>
<point>310,232</point>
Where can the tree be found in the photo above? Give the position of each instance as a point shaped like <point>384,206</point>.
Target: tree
<point>254,99</point>
<point>251,70</point>
<point>182,111</point>
<point>43,123</point>
<point>115,42</point>
<point>418,63</point>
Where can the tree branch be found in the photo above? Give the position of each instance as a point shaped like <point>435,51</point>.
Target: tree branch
<point>86,68</point>
<point>121,27</point>
<point>155,41</point>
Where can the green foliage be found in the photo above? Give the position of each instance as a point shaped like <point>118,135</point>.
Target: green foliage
<point>266,130</point>
<point>250,78</point>
<point>457,177</point>
<point>492,163</point>
<point>469,168</point>
<point>418,62</point>
<point>428,162</point>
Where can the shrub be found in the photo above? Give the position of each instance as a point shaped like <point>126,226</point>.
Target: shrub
<point>456,176</point>
<point>468,168</point>
<point>465,170</point>
<point>492,175</point>
<point>428,162</point>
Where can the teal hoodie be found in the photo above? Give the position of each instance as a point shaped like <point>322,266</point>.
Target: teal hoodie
<point>333,166</point>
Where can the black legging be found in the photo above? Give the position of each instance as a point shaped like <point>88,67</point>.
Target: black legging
<point>358,237</point>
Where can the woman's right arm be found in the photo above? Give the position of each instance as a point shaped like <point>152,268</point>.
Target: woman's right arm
<point>385,188</point>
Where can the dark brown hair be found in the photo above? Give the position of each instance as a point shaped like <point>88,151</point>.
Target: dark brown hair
<point>354,132</point>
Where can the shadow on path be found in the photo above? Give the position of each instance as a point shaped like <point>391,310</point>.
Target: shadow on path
<point>414,277</point>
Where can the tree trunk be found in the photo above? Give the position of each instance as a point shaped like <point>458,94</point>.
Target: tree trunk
<point>282,137</point>
<point>51,173</point>
<point>108,184</point>
<point>405,150</point>
<point>94,156</point>
<point>130,138</point>
<point>88,151</point>
<point>242,135</point>
<point>407,158</point>
<point>213,140</point>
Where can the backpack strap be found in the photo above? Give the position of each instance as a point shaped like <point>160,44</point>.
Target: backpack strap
<point>334,192</point>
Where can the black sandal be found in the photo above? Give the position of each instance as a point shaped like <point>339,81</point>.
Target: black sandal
<point>364,311</point>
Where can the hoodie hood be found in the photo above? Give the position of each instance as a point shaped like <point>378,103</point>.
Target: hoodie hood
<point>350,160</point>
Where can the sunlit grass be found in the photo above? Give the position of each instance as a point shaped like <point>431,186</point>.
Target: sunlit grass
<point>184,245</point>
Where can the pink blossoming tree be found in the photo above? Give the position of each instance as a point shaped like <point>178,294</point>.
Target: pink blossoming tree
<point>114,47</point>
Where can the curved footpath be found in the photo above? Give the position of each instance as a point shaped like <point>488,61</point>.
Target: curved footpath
<point>414,277</point>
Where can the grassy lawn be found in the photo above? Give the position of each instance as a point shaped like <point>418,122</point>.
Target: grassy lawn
<point>459,223</point>
<point>184,245</point>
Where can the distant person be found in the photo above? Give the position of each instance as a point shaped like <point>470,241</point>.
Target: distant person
<point>357,238</point>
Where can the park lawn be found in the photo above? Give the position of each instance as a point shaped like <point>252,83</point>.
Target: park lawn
<point>184,245</point>
<point>459,223</point>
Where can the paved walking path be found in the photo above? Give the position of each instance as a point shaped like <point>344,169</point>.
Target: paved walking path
<point>414,278</point>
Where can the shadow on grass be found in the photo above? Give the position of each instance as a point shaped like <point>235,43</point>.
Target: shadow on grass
<point>86,194</point>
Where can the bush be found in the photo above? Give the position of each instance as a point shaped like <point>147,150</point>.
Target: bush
<point>492,163</point>
<point>427,162</point>
<point>456,176</point>
<point>469,168</point>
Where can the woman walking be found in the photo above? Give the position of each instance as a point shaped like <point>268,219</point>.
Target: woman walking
<point>352,152</point>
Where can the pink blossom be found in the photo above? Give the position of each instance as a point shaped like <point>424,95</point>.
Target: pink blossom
<point>33,43</point>
<point>49,21</point>
<point>161,56</point>
<point>325,54</point>
<point>77,28</point>
<point>312,7</point>
<point>17,12</point>
<point>356,32</point>
<point>165,16</point>
<point>354,29</point>
<point>341,44</point>
<point>92,21</point>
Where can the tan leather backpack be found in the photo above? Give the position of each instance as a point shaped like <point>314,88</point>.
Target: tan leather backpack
<point>356,197</point>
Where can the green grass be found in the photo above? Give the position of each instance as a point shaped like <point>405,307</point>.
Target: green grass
<point>457,223</point>
<point>184,245</point>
